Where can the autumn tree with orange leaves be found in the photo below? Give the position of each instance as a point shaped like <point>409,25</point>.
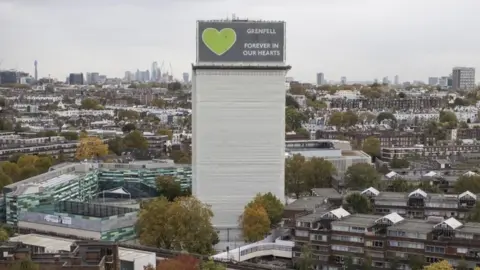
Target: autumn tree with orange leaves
<point>254,222</point>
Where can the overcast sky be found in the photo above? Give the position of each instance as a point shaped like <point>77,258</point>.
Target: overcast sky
<point>359,39</point>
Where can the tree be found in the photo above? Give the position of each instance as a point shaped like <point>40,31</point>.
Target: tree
<point>71,136</point>
<point>449,119</point>
<point>442,265</point>
<point>394,263</point>
<point>91,147</point>
<point>385,116</point>
<point>294,181</point>
<point>128,128</point>
<point>25,264</point>
<point>402,95</point>
<point>159,103</point>
<point>26,160</point>
<point>399,163</point>
<point>361,176</point>
<point>318,173</point>
<point>27,172</point>
<point>357,203</point>
<point>3,235</point>
<point>474,214</point>
<point>254,223</point>
<point>127,115</point>
<point>184,224</point>
<point>42,164</point>
<point>462,265</point>
<point>167,132</point>
<point>116,145</point>
<point>168,187</point>
<point>305,261</point>
<point>135,139</point>
<point>291,102</point>
<point>400,185</point>
<point>11,169</point>
<point>211,265</point>
<point>371,146</point>
<point>5,180</point>
<point>348,264</point>
<point>416,262</point>
<point>271,204</point>
<point>90,104</point>
<point>467,183</point>
<point>180,262</point>
<point>293,119</point>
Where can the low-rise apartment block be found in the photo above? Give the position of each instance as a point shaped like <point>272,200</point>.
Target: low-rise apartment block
<point>385,242</point>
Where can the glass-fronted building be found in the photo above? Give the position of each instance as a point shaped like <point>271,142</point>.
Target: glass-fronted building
<point>83,182</point>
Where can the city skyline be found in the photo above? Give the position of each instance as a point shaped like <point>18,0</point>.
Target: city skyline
<point>361,41</point>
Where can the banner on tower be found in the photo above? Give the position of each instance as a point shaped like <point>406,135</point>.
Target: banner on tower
<point>240,41</point>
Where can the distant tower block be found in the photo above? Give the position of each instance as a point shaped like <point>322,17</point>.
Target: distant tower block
<point>36,70</point>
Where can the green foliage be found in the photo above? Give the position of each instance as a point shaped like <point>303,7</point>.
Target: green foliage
<point>448,119</point>
<point>371,146</point>
<point>291,102</point>
<point>128,115</point>
<point>254,222</point>
<point>116,145</point>
<point>3,235</point>
<point>135,139</point>
<point>467,183</point>
<point>302,175</point>
<point>293,119</point>
<point>271,204</point>
<point>305,262</point>
<point>184,224</point>
<point>181,157</point>
<point>167,132</point>
<point>6,125</point>
<point>90,104</point>
<point>400,185</point>
<point>71,136</point>
<point>128,128</point>
<point>211,265</point>
<point>361,175</point>
<point>357,203</point>
<point>385,116</point>
<point>343,119</point>
<point>168,187</point>
<point>399,163</point>
<point>26,264</point>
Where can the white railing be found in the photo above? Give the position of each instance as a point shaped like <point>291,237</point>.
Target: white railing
<point>279,248</point>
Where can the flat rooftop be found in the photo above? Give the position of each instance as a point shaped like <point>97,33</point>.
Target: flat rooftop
<point>56,244</point>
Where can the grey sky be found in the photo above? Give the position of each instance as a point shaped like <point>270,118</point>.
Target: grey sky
<point>360,39</point>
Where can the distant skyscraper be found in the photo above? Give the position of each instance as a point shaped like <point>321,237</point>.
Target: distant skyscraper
<point>320,78</point>
<point>154,75</point>
<point>186,76</point>
<point>76,79</point>
<point>433,81</point>
<point>343,80</point>
<point>397,80</point>
<point>463,78</point>
<point>385,80</point>
<point>36,70</point>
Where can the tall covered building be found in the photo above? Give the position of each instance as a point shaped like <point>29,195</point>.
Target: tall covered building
<point>238,118</point>
<point>463,78</point>
<point>320,78</point>
<point>76,79</point>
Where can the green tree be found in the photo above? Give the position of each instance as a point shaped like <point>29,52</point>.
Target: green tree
<point>271,204</point>
<point>135,139</point>
<point>11,169</point>
<point>42,164</point>
<point>211,265</point>
<point>467,183</point>
<point>416,262</point>
<point>3,235</point>
<point>127,115</point>
<point>399,163</point>
<point>293,119</point>
<point>168,187</point>
<point>336,119</point>
<point>90,104</point>
<point>305,261</point>
<point>254,223</point>
<point>291,102</point>
<point>27,172</point>
<point>184,224</point>
<point>294,172</point>
<point>449,119</point>
<point>25,264</point>
<point>6,125</point>
<point>26,160</point>
<point>357,203</point>
<point>116,145</point>
<point>318,173</point>
<point>159,103</point>
<point>400,185</point>
<point>385,116</point>
<point>361,175</point>
<point>167,132</point>
<point>394,263</point>
<point>128,128</point>
<point>5,180</point>
<point>474,214</point>
<point>69,135</point>
<point>462,265</point>
<point>348,264</point>
<point>371,146</point>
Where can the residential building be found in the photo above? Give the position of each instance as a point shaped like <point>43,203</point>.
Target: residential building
<point>433,151</point>
<point>336,235</point>
<point>9,77</point>
<point>433,81</point>
<point>389,103</point>
<point>463,78</point>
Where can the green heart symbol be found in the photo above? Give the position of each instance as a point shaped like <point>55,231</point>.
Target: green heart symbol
<point>219,42</point>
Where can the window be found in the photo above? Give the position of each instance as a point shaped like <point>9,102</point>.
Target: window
<point>434,249</point>
<point>357,229</point>
<point>377,244</point>
<point>301,233</point>
<point>318,237</point>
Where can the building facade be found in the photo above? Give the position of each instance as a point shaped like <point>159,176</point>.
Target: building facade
<point>76,79</point>
<point>463,78</point>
